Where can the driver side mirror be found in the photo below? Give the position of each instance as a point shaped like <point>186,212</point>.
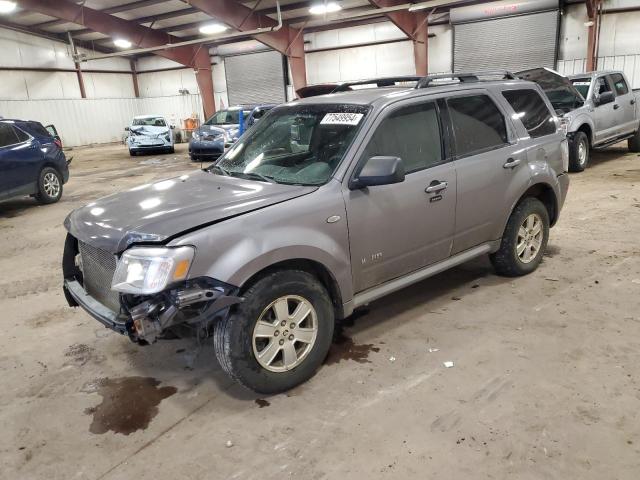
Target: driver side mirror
<point>172,127</point>
<point>126,129</point>
<point>379,171</point>
<point>604,98</point>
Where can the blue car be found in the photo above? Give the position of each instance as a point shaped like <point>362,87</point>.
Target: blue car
<point>31,161</point>
<point>222,129</point>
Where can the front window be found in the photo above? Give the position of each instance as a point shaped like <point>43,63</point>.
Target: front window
<point>582,85</point>
<point>150,122</point>
<point>301,144</point>
<point>225,117</point>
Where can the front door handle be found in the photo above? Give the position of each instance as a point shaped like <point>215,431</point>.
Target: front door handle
<point>616,106</point>
<point>511,163</point>
<point>436,186</point>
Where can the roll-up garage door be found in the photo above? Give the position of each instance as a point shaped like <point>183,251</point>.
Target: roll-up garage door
<point>514,42</point>
<point>255,78</point>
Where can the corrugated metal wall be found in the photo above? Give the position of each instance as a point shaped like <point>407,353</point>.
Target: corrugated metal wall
<point>88,121</point>
<point>629,64</point>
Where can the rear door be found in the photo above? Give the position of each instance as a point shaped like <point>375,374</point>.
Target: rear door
<point>399,228</point>
<point>490,165</point>
<point>626,101</point>
<point>532,112</point>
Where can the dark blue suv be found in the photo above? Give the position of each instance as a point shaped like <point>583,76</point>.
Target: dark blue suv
<point>31,161</point>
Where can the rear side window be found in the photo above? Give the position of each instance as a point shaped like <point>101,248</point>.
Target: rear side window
<point>7,135</point>
<point>478,125</point>
<point>21,135</point>
<point>531,111</point>
<point>38,129</point>
<point>619,84</point>
<point>411,133</point>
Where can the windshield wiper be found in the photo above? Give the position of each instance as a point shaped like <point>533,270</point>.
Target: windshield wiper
<point>220,169</point>
<point>254,175</point>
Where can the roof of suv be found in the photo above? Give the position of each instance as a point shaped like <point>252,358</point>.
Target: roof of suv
<point>384,95</point>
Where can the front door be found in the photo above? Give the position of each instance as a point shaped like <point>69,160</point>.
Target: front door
<point>16,159</point>
<point>605,116</point>
<point>396,229</point>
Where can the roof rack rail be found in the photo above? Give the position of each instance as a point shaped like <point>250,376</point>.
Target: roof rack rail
<point>379,82</point>
<point>466,77</point>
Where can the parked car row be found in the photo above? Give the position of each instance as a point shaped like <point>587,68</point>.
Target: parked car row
<point>325,205</point>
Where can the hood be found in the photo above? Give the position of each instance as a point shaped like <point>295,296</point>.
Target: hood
<point>152,213</point>
<point>561,92</point>
<point>212,129</point>
<point>148,130</point>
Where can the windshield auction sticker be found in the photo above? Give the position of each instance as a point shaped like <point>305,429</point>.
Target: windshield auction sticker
<point>342,119</point>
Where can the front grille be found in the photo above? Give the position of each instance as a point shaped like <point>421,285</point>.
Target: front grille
<point>98,267</point>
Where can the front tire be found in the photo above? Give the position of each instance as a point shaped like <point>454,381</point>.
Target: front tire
<point>579,152</point>
<point>279,336</point>
<point>524,241</point>
<point>49,186</point>
<point>634,143</point>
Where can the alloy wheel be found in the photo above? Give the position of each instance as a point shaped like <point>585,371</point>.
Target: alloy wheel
<point>285,333</point>
<point>51,185</point>
<point>530,236</point>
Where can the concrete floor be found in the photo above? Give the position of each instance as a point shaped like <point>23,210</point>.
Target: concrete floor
<point>546,382</point>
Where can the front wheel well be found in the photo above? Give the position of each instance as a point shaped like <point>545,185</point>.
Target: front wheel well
<point>586,129</point>
<point>547,196</point>
<point>318,270</point>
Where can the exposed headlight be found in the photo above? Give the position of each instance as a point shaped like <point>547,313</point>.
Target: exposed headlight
<point>147,270</point>
<point>195,135</point>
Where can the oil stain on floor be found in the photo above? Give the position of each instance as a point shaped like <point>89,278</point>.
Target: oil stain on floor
<point>128,403</point>
<point>344,348</point>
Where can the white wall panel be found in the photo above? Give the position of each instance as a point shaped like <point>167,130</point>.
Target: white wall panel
<point>45,85</point>
<point>441,49</point>
<point>629,64</point>
<point>108,85</point>
<point>220,84</point>
<point>89,121</point>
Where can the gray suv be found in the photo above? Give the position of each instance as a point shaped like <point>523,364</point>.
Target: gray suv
<point>327,204</point>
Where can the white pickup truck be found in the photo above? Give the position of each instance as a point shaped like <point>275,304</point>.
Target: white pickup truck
<point>598,108</point>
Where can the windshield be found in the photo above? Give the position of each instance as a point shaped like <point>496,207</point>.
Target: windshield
<point>301,144</point>
<point>150,121</point>
<point>582,85</point>
<point>226,117</point>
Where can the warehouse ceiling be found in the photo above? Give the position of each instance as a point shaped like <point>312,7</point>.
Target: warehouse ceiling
<point>180,19</point>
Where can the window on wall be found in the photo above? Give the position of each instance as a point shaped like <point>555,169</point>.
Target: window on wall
<point>411,133</point>
<point>531,110</point>
<point>478,124</point>
<point>619,84</point>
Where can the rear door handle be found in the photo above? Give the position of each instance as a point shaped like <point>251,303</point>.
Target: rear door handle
<point>511,163</point>
<point>633,102</point>
<point>436,186</point>
<point>616,106</point>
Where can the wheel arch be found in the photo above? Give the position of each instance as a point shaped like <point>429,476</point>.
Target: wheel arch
<point>547,195</point>
<point>312,267</point>
<point>587,130</point>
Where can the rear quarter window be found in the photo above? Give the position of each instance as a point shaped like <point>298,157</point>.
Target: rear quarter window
<point>531,110</point>
<point>37,129</point>
<point>478,124</point>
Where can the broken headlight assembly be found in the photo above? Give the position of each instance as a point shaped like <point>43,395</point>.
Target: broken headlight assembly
<point>149,270</point>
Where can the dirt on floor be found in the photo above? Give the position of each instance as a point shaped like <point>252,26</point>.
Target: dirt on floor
<point>545,382</point>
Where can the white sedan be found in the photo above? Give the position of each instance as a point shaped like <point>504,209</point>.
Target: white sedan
<point>150,132</point>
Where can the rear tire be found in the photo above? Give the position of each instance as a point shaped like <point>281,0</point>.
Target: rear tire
<point>171,150</point>
<point>524,241</point>
<point>49,186</point>
<point>261,326</point>
<point>634,143</point>
<point>579,152</point>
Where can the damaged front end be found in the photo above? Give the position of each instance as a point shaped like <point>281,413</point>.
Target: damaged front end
<point>193,303</point>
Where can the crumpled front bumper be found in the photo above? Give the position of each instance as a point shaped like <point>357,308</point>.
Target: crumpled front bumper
<point>206,148</point>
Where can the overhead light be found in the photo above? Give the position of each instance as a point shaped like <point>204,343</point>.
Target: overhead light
<point>322,8</point>
<point>6,6</point>
<point>418,7</point>
<point>212,28</point>
<point>122,43</point>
